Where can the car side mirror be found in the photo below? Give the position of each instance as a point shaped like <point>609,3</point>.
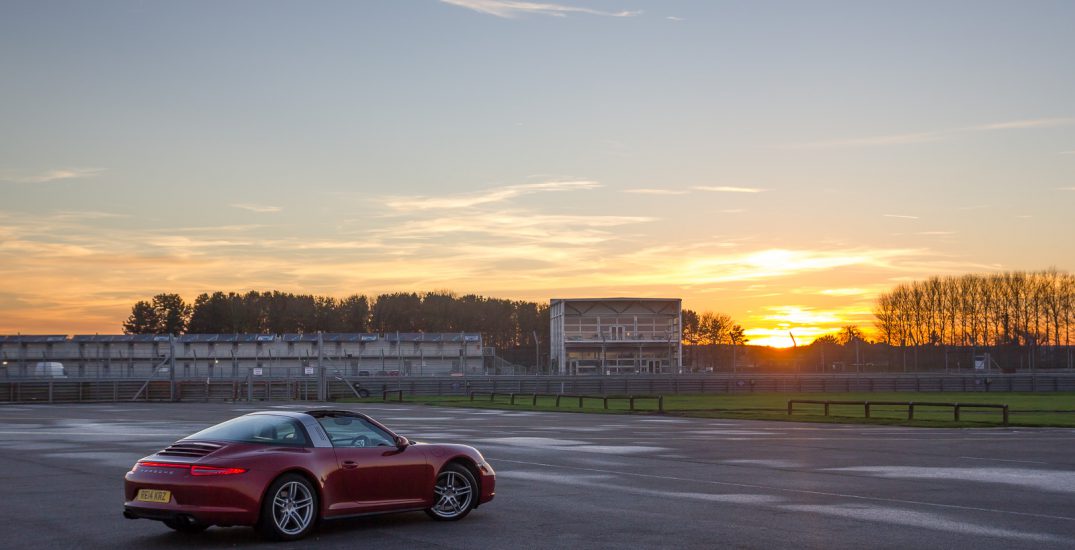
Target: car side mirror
<point>402,442</point>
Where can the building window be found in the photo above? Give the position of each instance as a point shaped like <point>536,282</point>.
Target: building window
<point>617,332</point>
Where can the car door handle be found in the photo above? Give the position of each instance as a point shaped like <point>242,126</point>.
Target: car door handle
<point>350,464</point>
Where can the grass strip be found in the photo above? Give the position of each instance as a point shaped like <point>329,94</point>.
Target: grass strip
<point>1026,409</point>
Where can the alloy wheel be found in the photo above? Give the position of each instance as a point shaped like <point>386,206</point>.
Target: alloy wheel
<point>293,508</point>
<point>454,492</point>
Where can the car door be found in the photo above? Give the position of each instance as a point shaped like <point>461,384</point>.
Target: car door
<point>378,475</point>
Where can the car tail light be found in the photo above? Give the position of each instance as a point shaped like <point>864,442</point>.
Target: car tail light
<point>147,464</point>
<point>194,469</point>
<point>214,471</point>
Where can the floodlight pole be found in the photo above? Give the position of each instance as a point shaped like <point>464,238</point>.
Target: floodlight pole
<point>537,354</point>
<point>322,389</point>
<point>171,367</point>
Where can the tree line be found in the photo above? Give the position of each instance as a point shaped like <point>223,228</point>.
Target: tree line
<point>1015,308</point>
<point>502,323</point>
<point>707,337</point>
<point>709,328</point>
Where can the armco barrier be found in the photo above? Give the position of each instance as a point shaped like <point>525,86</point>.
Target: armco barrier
<point>909,404</point>
<point>580,398</point>
<point>252,387</point>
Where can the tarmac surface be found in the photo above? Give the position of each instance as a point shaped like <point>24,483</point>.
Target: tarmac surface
<point>587,481</point>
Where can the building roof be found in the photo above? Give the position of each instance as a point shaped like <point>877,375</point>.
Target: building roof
<point>34,339</point>
<point>244,338</point>
<point>616,299</point>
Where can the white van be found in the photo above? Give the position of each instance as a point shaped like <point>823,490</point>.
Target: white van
<point>49,369</point>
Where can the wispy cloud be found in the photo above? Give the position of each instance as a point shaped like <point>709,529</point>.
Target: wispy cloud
<point>1071,152</point>
<point>656,191</point>
<point>55,175</point>
<point>76,215</point>
<point>844,291</point>
<point>517,227</point>
<point>218,229</point>
<point>1023,124</point>
<point>802,315</point>
<point>37,249</point>
<point>937,135</point>
<point>901,216</point>
<point>727,189</point>
<point>674,18</point>
<point>262,208</point>
<point>713,267</point>
<point>509,9</point>
<point>1066,188</point>
<point>183,242</point>
<point>704,188</point>
<point>936,233</point>
<point>494,195</point>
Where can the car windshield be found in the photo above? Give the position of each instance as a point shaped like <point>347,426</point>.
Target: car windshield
<point>267,429</point>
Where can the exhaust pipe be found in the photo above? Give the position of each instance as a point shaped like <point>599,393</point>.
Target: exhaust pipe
<point>129,515</point>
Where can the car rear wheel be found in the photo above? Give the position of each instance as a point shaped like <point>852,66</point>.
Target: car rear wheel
<point>289,510</point>
<point>453,494</point>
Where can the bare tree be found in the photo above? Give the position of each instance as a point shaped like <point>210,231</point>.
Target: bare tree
<point>1016,310</point>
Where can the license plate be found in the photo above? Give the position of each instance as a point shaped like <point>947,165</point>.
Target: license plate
<point>153,495</point>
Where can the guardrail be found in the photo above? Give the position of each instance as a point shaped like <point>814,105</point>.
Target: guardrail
<point>252,386</point>
<point>581,398</point>
<point>909,404</point>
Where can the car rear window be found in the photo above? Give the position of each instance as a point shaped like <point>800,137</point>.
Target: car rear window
<point>267,429</point>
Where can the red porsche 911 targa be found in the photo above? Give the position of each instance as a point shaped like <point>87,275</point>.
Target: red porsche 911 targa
<point>282,472</point>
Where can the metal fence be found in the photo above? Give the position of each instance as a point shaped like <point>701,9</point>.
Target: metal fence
<point>332,387</point>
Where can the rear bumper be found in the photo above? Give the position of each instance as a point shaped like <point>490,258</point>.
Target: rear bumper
<point>201,514</point>
<point>216,501</point>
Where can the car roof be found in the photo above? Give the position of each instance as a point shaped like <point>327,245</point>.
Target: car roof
<point>289,414</point>
<point>316,413</point>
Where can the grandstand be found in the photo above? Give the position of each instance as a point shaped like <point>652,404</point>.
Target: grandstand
<point>237,355</point>
<point>616,335</point>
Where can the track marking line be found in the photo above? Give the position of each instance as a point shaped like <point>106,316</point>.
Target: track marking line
<point>1004,460</point>
<point>795,491</point>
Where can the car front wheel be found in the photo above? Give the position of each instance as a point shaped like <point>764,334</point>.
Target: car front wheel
<point>289,510</point>
<point>453,494</point>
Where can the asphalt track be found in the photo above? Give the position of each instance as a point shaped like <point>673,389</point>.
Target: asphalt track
<point>588,481</point>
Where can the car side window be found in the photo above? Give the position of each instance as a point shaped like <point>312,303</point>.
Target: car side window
<point>265,429</point>
<point>353,431</point>
<point>287,432</point>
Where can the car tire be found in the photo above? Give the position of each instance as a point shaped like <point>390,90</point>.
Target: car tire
<point>363,393</point>
<point>181,526</point>
<point>454,493</point>
<point>289,510</point>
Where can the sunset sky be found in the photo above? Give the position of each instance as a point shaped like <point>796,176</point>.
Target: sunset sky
<point>782,162</point>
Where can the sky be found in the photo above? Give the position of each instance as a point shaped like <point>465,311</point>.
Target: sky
<point>781,162</point>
